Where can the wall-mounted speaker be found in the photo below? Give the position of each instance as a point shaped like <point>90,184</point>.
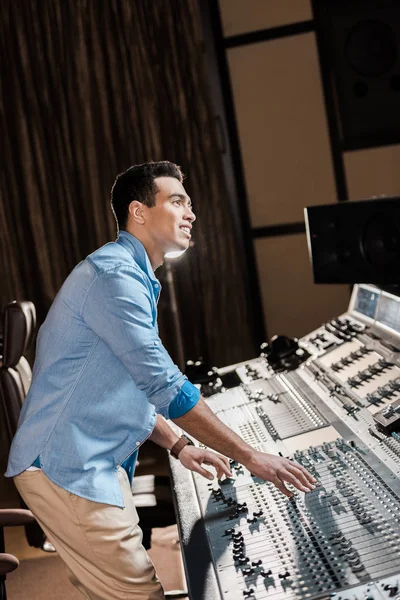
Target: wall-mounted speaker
<point>360,49</point>
<point>355,242</point>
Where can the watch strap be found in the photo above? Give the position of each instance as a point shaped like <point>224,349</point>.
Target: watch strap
<point>179,445</point>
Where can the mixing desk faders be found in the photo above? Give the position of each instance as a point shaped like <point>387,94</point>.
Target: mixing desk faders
<point>338,414</point>
<point>343,533</point>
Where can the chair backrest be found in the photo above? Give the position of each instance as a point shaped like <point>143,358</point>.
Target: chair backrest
<point>19,325</point>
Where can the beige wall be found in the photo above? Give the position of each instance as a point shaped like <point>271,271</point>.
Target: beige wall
<point>373,172</point>
<point>293,303</point>
<point>242,16</point>
<point>282,127</point>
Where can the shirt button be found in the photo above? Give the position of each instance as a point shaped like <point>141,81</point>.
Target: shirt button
<point>137,443</point>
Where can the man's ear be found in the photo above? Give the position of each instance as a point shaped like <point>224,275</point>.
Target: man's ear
<point>137,212</point>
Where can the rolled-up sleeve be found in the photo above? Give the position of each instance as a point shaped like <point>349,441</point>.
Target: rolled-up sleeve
<point>185,400</point>
<point>118,309</point>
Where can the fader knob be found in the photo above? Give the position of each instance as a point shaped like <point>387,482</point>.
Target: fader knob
<point>284,575</point>
<point>248,592</point>
<point>266,573</point>
<point>345,544</point>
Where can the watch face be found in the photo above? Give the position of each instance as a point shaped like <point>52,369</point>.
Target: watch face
<point>190,442</point>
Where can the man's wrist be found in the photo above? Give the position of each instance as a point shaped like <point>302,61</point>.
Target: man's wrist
<point>247,454</point>
<point>180,444</point>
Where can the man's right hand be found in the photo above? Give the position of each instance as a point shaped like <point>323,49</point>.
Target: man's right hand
<point>279,470</point>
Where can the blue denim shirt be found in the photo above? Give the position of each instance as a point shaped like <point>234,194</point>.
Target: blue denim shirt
<point>100,375</point>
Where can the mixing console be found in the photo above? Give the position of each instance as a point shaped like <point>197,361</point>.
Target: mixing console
<point>338,414</point>
<point>343,533</point>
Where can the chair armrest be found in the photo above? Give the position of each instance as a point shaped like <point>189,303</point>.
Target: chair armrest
<point>15,516</point>
<point>8,563</point>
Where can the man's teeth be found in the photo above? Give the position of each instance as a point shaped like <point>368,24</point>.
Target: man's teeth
<point>186,229</point>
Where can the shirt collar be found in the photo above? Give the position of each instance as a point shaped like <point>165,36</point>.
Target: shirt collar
<point>138,253</point>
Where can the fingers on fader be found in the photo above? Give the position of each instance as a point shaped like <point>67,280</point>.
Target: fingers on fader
<point>282,487</point>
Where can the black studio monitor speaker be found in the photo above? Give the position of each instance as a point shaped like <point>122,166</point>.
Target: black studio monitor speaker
<point>360,52</point>
<point>355,242</point>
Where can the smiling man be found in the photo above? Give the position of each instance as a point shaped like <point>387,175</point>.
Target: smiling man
<point>103,383</point>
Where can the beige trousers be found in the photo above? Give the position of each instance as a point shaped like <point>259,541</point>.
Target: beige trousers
<point>100,544</point>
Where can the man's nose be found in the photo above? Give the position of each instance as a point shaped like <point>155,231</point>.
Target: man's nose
<point>190,216</point>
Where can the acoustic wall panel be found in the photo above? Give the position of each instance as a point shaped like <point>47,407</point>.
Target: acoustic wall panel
<point>282,128</point>
<point>243,16</point>
<point>373,172</point>
<point>293,304</point>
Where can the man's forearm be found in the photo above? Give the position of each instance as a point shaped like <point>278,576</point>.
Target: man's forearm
<point>162,434</point>
<point>204,425</point>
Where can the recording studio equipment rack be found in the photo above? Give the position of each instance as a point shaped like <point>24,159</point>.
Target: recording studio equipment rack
<point>337,412</point>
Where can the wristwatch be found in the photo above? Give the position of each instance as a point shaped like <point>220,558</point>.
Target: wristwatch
<point>183,441</point>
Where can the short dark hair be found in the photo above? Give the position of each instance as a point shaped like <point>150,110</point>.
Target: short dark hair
<point>137,183</point>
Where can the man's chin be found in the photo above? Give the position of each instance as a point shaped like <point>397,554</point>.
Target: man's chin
<point>176,250</point>
<point>180,246</point>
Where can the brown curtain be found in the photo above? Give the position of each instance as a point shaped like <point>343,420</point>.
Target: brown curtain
<point>90,87</point>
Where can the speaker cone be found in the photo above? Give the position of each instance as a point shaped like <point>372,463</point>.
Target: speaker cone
<point>371,49</point>
<point>380,242</point>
